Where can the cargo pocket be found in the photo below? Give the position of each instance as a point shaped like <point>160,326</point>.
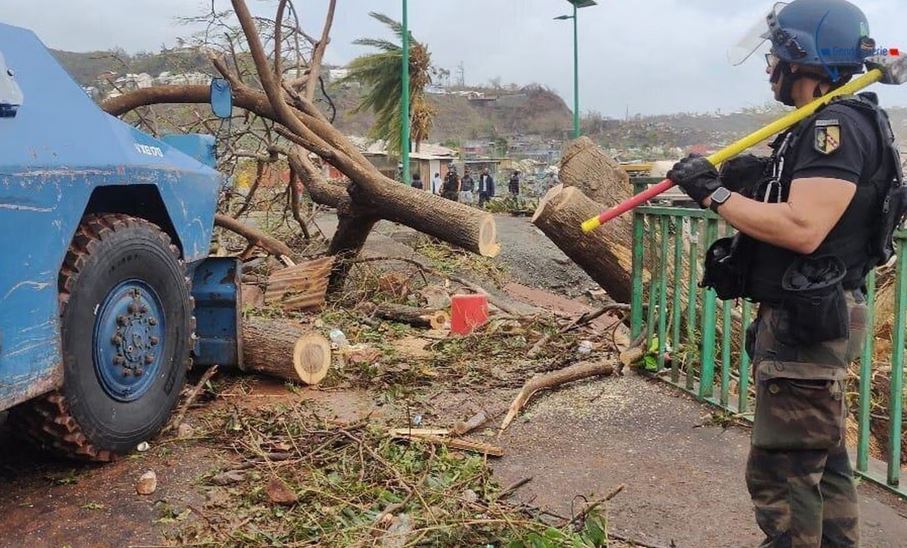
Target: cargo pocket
<point>793,414</point>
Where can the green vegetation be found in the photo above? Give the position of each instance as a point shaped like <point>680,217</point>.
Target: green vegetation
<point>380,75</point>
<point>300,480</point>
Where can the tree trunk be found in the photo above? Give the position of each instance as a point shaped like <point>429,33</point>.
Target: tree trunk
<point>604,254</point>
<point>585,165</point>
<point>416,317</point>
<point>253,235</point>
<point>301,287</point>
<point>280,348</point>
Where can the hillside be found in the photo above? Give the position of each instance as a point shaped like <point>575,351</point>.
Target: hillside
<point>491,113</point>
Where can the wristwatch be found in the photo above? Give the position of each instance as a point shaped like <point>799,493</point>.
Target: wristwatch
<point>718,198</point>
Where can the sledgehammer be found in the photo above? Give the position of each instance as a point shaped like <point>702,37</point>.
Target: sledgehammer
<point>887,70</point>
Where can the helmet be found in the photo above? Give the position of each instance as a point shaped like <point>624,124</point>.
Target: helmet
<point>821,33</point>
<point>826,34</point>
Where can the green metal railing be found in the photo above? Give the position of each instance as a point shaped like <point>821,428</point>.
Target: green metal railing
<point>704,338</point>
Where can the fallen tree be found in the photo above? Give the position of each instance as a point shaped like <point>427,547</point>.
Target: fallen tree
<point>370,195</point>
<point>604,254</point>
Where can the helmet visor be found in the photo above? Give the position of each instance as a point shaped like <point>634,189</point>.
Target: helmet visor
<point>757,35</point>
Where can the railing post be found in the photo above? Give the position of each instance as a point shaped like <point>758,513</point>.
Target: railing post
<point>896,398</point>
<point>676,308</point>
<point>663,293</point>
<point>693,294</point>
<point>637,269</point>
<point>707,363</point>
<point>865,397</point>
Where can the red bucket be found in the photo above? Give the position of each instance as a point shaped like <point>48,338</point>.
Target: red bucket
<point>467,312</point>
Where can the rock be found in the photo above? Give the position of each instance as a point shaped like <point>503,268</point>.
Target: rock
<point>147,483</point>
<point>470,496</point>
<point>280,493</point>
<point>142,447</point>
<point>184,430</point>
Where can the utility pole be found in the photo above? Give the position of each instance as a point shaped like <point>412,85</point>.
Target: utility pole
<point>405,113</point>
<point>575,74</point>
<point>577,4</point>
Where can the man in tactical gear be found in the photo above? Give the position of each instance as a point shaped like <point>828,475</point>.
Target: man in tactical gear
<point>811,226</point>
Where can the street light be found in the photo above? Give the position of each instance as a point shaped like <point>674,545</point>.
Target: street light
<point>404,126</point>
<point>577,4</point>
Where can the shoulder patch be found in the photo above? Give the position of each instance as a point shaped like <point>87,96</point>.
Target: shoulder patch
<point>828,136</point>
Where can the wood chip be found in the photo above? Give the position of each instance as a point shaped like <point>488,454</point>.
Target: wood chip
<point>280,493</point>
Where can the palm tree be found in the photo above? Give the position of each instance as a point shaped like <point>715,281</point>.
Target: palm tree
<point>379,73</point>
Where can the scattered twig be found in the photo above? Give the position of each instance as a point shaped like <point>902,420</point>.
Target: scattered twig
<point>509,490</point>
<point>181,414</point>
<point>553,379</point>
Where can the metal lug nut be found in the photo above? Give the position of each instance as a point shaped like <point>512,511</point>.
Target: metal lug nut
<point>149,359</point>
<point>122,320</point>
<point>132,308</point>
<point>117,340</point>
<point>139,372</point>
<point>119,360</point>
<point>152,321</point>
<point>127,372</point>
<point>154,341</point>
<point>143,309</point>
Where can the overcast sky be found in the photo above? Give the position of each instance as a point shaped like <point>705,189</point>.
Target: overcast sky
<point>648,56</point>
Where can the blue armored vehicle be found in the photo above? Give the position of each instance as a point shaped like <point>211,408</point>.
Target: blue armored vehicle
<point>104,240</point>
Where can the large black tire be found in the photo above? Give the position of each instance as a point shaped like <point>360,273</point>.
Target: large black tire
<point>114,262</point>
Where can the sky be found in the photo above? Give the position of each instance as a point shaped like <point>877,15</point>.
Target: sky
<point>641,57</point>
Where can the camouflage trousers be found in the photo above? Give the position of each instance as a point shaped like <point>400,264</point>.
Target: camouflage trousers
<point>798,473</point>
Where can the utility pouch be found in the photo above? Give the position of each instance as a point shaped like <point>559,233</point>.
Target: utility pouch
<point>725,267</point>
<point>814,300</point>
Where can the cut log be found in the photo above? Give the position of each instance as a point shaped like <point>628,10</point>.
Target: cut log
<point>604,254</point>
<point>585,165</point>
<point>283,349</point>
<point>301,287</point>
<point>416,317</point>
<point>547,381</point>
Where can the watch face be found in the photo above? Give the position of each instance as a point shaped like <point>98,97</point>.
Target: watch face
<point>721,195</point>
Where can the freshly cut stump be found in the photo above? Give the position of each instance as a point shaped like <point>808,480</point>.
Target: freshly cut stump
<point>282,349</point>
<point>605,254</point>
<point>586,166</point>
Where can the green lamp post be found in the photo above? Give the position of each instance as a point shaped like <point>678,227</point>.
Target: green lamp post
<point>405,129</point>
<point>577,4</point>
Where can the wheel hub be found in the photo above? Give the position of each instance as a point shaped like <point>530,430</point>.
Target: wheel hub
<point>127,340</point>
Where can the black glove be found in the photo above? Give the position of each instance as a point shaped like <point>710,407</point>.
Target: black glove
<point>696,176</point>
<point>743,173</point>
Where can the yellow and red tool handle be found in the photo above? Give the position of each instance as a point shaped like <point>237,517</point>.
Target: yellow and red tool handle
<point>747,142</point>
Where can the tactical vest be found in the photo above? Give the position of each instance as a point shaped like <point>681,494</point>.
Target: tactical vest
<point>856,238</point>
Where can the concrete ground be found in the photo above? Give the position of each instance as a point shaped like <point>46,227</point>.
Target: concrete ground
<point>683,480</point>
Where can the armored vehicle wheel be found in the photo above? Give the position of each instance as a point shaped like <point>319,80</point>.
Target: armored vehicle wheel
<point>126,336</point>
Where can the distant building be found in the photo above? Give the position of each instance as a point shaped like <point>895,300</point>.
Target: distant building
<point>168,78</point>
<point>338,74</point>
